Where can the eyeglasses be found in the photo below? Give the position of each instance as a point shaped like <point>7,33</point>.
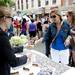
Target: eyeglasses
<point>54,16</point>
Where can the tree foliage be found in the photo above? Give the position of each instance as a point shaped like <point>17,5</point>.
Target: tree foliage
<point>6,3</point>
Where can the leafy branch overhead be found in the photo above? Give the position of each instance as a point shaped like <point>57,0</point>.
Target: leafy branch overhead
<point>7,3</point>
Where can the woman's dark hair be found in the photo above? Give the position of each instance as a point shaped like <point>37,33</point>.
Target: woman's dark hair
<point>59,17</point>
<point>12,19</point>
<point>24,21</point>
<point>32,20</point>
<point>45,22</point>
<point>70,13</point>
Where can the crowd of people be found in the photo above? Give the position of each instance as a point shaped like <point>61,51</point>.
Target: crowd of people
<point>35,29</point>
<point>57,33</point>
<point>8,28</point>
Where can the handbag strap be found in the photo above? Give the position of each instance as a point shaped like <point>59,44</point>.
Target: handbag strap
<point>57,33</point>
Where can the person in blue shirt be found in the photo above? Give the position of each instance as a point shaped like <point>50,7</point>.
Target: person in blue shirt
<point>55,37</point>
<point>32,29</point>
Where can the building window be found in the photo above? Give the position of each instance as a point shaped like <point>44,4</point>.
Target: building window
<point>53,1</point>
<point>22,4</point>
<point>46,2</point>
<point>32,3</point>
<point>39,3</point>
<point>27,4</point>
<point>18,5</point>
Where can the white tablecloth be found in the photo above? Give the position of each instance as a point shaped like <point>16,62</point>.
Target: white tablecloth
<point>69,72</point>
<point>43,62</point>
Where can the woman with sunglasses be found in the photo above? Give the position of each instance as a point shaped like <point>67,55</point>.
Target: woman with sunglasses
<point>57,33</point>
<point>71,20</point>
<point>7,57</point>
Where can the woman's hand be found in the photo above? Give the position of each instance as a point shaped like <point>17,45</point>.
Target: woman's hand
<point>67,41</point>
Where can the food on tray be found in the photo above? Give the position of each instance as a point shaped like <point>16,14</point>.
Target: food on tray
<point>35,65</point>
<point>27,69</point>
<point>31,73</point>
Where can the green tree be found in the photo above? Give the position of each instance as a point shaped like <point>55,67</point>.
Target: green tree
<point>6,3</point>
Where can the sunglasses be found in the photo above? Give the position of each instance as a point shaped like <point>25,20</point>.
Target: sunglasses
<point>5,16</point>
<point>53,16</point>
